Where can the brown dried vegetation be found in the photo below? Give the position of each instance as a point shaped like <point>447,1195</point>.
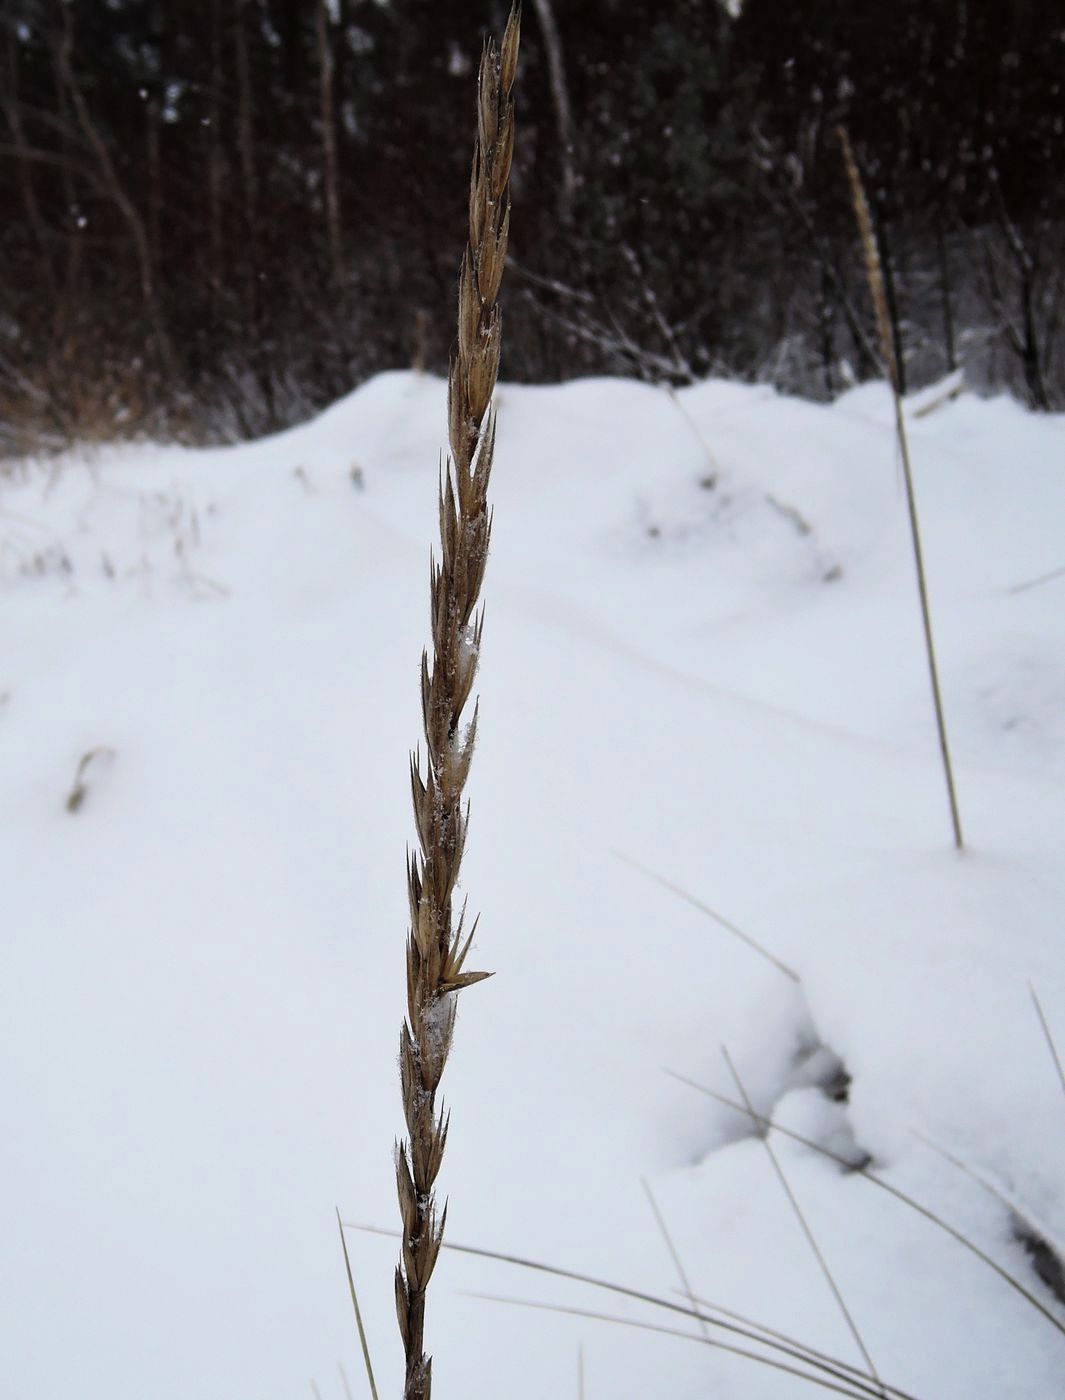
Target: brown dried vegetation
<point>437,946</point>
<point>890,352</point>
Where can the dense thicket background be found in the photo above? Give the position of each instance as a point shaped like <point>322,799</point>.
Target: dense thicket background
<point>218,215</point>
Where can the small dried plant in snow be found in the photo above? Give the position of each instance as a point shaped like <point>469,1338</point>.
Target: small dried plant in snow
<point>437,945</point>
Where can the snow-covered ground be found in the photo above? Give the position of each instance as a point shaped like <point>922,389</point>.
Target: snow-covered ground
<point>702,653</point>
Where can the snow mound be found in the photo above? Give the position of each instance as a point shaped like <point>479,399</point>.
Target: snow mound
<point>702,654</point>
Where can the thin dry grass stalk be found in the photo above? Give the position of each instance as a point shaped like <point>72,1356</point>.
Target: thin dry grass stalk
<point>875,276</point>
<point>436,946</point>
<point>1047,1035</point>
<point>639,1325</point>
<point>358,1319</point>
<point>811,1238</point>
<point>710,913</point>
<point>728,1322</point>
<point>674,1252</point>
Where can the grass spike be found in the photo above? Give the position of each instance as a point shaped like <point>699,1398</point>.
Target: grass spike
<point>435,950</point>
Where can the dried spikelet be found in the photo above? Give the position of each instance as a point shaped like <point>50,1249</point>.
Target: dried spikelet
<point>873,271</point>
<point>436,945</point>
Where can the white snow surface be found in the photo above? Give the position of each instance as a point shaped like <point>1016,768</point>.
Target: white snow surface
<point>702,651</point>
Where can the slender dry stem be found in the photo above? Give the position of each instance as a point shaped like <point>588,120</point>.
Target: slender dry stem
<point>674,1252</point>
<point>849,1387</point>
<point>437,946</point>
<point>1037,582</point>
<point>875,275</point>
<point>811,1238</point>
<point>710,914</point>
<point>1049,1037</point>
<point>358,1318</point>
<point>1032,1229</point>
<point>751,1331</point>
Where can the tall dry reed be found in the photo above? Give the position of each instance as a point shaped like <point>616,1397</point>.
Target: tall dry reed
<point>889,350</point>
<point>437,945</point>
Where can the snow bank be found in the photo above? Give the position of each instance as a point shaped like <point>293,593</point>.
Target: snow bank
<point>702,651</point>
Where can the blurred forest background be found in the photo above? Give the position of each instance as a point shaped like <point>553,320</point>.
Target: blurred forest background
<point>219,215</point>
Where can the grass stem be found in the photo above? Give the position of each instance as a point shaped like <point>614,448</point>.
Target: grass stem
<point>437,943</point>
<point>889,350</point>
<point>358,1318</point>
<point>1049,1038</point>
<point>811,1238</point>
<point>754,1332</point>
<point>710,914</point>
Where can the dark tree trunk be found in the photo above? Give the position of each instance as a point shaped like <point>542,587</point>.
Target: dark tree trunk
<point>329,149</point>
